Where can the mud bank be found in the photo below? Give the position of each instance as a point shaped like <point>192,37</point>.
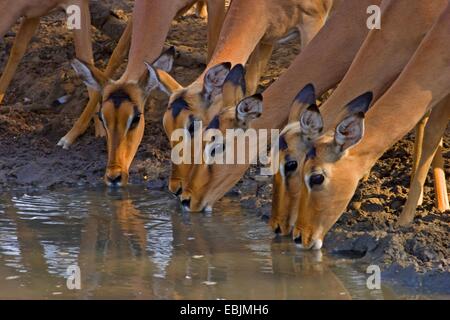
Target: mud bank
<point>31,125</point>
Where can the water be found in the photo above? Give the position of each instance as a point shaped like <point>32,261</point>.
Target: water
<point>137,244</point>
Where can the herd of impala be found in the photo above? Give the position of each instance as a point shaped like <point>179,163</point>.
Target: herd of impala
<point>386,81</point>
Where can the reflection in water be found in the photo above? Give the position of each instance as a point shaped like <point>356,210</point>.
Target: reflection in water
<point>137,244</point>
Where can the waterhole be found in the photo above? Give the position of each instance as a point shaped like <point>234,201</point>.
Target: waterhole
<point>136,243</point>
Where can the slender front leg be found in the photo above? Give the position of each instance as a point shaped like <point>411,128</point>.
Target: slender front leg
<point>27,29</point>
<point>202,10</point>
<point>257,64</point>
<point>10,15</point>
<point>432,136</point>
<point>418,146</point>
<point>440,184</point>
<point>117,57</point>
<point>216,16</point>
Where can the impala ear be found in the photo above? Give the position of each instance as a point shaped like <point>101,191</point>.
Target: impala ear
<point>311,123</point>
<point>214,80</point>
<point>234,86</point>
<point>305,98</point>
<point>349,132</point>
<point>151,81</point>
<point>156,78</point>
<point>89,74</point>
<point>360,104</point>
<point>165,60</point>
<point>249,109</point>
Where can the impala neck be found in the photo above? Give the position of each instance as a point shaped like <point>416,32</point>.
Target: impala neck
<point>422,84</point>
<point>384,53</point>
<point>323,62</point>
<point>244,26</point>
<point>151,24</point>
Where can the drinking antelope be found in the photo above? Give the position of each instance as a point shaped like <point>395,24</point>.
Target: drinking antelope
<point>364,76</point>
<point>249,33</point>
<point>324,62</point>
<point>349,148</point>
<point>123,101</point>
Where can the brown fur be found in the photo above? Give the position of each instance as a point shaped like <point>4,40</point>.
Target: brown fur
<point>340,39</point>
<point>363,76</point>
<point>421,85</point>
<point>147,41</point>
<point>262,22</point>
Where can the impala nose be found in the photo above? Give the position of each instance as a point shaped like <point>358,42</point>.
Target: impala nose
<point>178,192</point>
<point>115,181</point>
<point>186,203</point>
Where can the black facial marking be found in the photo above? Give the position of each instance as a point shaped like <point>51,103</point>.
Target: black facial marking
<point>237,77</point>
<point>282,144</point>
<point>136,118</point>
<point>214,124</point>
<point>177,106</point>
<point>118,97</point>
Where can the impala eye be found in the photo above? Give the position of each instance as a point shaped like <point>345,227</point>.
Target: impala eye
<point>290,166</point>
<point>316,180</point>
<point>135,121</point>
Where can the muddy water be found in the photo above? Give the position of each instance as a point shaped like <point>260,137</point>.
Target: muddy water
<point>138,244</point>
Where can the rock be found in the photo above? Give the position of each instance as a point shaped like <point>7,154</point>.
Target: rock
<point>372,205</point>
<point>356,205</point>
<point>396,204</point>
<point>249,203</point>
<point>157,184</point>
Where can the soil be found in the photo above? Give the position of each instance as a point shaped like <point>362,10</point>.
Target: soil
<point>31,124</point>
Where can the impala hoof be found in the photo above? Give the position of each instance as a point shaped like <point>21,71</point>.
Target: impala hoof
<point>64,143</point>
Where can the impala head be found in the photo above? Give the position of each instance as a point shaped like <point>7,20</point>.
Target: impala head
<point>200,102</point>
<point>287,181</point>
<point>197,194</point>
<point>122,112</point>
<point>329,172</point>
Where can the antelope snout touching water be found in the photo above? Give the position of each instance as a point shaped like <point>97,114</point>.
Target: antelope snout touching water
<point>122,112</point>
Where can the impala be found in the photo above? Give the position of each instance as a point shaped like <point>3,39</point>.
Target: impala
<point>371,73</point>
<point>123,101</point>
<point>348,148</point>
<point>249,32</point>
<point>324,62</point>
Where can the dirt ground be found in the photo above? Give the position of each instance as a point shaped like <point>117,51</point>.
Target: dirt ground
<point>31,125</point>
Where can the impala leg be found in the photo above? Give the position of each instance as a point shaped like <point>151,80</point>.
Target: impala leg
<point>440,185</point>
<point>216,16</point>
<point>432,136</point>
<point>257,64</point>
<point>115,61</point>
<point>417,152</point>
<point>27,29</point>
<point>202,10</point>
<point>12,12</point>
